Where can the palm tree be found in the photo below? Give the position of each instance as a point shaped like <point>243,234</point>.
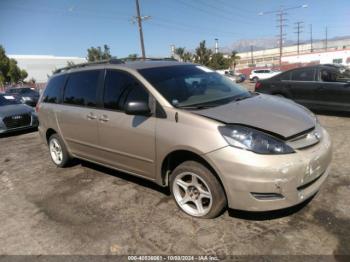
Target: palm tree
<point>234,58</point>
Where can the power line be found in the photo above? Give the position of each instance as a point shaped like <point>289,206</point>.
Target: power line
<point>211,13</point>
<point>298,27</point>
<point>280,13</point>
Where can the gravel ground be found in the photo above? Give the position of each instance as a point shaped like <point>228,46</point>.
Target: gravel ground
<point>88,209</point>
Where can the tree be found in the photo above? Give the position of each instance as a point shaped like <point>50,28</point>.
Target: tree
<point>234,58</point>
<point>179,52</point>
<point>219,62</point>
<point>132,57</point>
<point>14,72</point>
<point>187,57</point>
<point>9,70</point>
<point>203,54</point>
<point>70,63</point>
<point>183,55</point>
<point>97,54</point>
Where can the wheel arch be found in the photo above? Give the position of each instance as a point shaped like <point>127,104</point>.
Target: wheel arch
<point>49,132</point>
<point>177,157</point>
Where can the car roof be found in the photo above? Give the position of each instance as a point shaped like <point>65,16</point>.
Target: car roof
<point>120,64</point>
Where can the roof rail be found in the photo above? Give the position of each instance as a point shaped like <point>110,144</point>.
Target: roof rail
<point>129,59</point>
<point>112,61</point>
<point>107,61</point>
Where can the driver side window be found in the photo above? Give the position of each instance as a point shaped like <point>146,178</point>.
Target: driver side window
<point>121,88</point>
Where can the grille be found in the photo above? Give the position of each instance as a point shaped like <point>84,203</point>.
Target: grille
<point>16,121</point>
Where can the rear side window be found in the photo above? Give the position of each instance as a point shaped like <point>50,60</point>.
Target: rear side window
<point>81,88</point>
<point>283,76</point>
<point>117,86</point>
<point>53,91</point>
<point>303,75</point>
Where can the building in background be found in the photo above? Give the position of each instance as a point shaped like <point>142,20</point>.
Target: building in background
<point>40,67</point>
<point>337,51</point>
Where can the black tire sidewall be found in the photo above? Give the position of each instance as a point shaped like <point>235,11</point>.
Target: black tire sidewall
<point>217,191</point>
<point>65,154</point>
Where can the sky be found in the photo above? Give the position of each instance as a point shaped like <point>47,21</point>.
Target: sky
<point>69,27</point>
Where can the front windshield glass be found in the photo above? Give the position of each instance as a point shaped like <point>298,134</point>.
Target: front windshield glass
<point>191,85</point>
<point>6,100</point>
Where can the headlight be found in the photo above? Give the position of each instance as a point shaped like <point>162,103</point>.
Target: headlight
<point>254,140</point>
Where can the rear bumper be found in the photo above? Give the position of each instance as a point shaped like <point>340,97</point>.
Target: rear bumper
<point>256,182</point>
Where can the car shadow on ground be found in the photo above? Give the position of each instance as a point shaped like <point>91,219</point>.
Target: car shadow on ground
<point>240,214</point>
<point>20,132</point>
<point>332,113</point>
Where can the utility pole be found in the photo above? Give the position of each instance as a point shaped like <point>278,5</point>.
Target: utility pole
<point>281,24</point>
<point>311,44</point>
<point>216,45</point>
<point>298,32</point>
<point>139,19</point>
<point>326,40</point>
<point>251,55</point>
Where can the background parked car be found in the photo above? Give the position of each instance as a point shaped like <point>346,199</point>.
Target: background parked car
<point>316,87</point>
<point>235,77</point>
<point>14,115</point>
<point>25,94</point>
<point>260,74</point>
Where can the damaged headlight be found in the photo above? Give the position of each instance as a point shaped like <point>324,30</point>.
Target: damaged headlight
<point>254,140</point>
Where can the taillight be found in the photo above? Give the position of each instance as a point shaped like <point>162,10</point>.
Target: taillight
<point>257,85</point>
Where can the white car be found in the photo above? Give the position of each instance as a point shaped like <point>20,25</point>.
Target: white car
<point>259,74</point>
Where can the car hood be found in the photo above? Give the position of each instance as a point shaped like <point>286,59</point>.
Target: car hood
<point>11,110</point>
<point>272,114</point>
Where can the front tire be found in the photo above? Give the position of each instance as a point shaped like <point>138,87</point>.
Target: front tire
<point>58,151</point>
<point>197,191</point>
<point>255,79</point>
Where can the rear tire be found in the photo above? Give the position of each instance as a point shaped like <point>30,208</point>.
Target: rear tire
<point>255,79</point>
<point>197,191</point>
<point>58,151</point>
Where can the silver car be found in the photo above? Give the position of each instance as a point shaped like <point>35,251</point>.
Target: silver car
<point>183,126</point>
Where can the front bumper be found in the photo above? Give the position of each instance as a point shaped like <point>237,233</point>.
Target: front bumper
<point>256,182</point>
<point>34,123</point>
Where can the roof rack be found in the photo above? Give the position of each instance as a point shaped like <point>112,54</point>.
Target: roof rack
<point>107,61</point>
<point>112,61</point>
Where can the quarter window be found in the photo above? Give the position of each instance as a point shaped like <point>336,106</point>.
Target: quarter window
<point>81,88</point>
<point>303,75</point>
<point>53,91</point>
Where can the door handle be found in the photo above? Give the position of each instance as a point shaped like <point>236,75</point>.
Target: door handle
<point>91,116</point>
<point>104,118</point>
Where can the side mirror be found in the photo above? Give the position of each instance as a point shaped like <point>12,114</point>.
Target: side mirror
<point>137,108</point>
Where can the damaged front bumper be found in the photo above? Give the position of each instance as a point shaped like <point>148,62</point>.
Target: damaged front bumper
<point>255,182</point>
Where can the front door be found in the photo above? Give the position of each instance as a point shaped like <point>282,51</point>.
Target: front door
<point>127,142</point>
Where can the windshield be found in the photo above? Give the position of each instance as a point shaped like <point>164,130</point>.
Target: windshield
<point>6,100</point>
<point>191,85</point>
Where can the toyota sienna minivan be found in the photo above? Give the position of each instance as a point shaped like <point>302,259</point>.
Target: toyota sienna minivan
<point>186,127</point>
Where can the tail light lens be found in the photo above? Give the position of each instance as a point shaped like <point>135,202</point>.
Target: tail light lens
<point>257,85</point>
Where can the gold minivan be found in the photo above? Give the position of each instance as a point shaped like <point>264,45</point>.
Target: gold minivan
<point>186,127</point>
